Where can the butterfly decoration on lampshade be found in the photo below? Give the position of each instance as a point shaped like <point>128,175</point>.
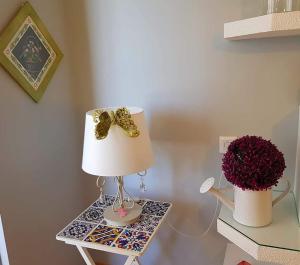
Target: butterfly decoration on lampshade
<point>121,117</point>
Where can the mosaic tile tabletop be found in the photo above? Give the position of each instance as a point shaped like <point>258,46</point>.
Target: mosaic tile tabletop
<point>90,230</point>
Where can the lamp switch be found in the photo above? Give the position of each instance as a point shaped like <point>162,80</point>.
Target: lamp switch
<point>224,142</point>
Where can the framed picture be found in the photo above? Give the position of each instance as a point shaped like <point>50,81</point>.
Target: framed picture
<point>28,52</point>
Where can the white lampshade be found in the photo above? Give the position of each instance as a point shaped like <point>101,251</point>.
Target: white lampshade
<point>117,154</point>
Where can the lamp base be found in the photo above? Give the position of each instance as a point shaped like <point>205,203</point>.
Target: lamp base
<point>114,219</point>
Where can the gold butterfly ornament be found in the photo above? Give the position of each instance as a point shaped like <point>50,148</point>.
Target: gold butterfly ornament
<point>121,117</point>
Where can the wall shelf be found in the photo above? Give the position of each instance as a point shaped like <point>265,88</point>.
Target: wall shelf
<point>268,26</point>
<point>234,255</point>
<point>278,242</point>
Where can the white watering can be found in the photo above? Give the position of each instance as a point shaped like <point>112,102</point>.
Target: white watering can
<point>250,208</point>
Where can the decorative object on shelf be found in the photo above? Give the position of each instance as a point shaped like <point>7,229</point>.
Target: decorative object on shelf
<point>109,152</point>
<point>278,6</point>
<point>253,165</point>
<point>28,52</point>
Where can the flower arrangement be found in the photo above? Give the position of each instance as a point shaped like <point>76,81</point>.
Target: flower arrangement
<point>253,163</point>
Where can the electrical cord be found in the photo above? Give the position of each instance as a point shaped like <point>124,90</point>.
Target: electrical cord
<point>210,224</point>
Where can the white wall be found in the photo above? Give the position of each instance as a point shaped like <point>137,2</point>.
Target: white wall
<point>170,58</point>
<point>40,154</point>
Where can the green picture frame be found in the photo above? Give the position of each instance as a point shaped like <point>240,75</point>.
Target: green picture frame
<point>28,52</point>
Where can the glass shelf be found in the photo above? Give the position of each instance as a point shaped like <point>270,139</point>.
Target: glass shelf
<point>283,233</point>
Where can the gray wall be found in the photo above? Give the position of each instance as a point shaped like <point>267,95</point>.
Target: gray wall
<point>168,57</point>
<point>40,180</point>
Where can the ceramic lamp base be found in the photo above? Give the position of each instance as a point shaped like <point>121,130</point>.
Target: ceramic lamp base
<point>114,219</point>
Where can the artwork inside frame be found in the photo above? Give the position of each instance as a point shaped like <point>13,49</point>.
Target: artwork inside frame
<point>28,52</point>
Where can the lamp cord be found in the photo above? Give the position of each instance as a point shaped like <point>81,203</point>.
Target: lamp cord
<point>210,224</point>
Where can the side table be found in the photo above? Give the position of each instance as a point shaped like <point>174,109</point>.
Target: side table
<point>90,231</point>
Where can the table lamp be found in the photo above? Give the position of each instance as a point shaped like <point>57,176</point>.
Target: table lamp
<point>117,143</point>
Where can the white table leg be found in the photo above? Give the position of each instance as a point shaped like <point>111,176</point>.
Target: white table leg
<point>132,260</point>
<point>86,255</point>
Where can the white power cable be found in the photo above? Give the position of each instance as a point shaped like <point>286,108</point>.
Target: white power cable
<point>210,224</point>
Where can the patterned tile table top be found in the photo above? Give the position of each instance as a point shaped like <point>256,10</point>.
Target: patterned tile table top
<point>90,230</point>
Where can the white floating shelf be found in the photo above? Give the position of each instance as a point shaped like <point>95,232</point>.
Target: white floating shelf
<point>268,26</point>
<point>234,255</point>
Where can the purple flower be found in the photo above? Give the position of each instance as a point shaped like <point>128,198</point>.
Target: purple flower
<point>253,163</point>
